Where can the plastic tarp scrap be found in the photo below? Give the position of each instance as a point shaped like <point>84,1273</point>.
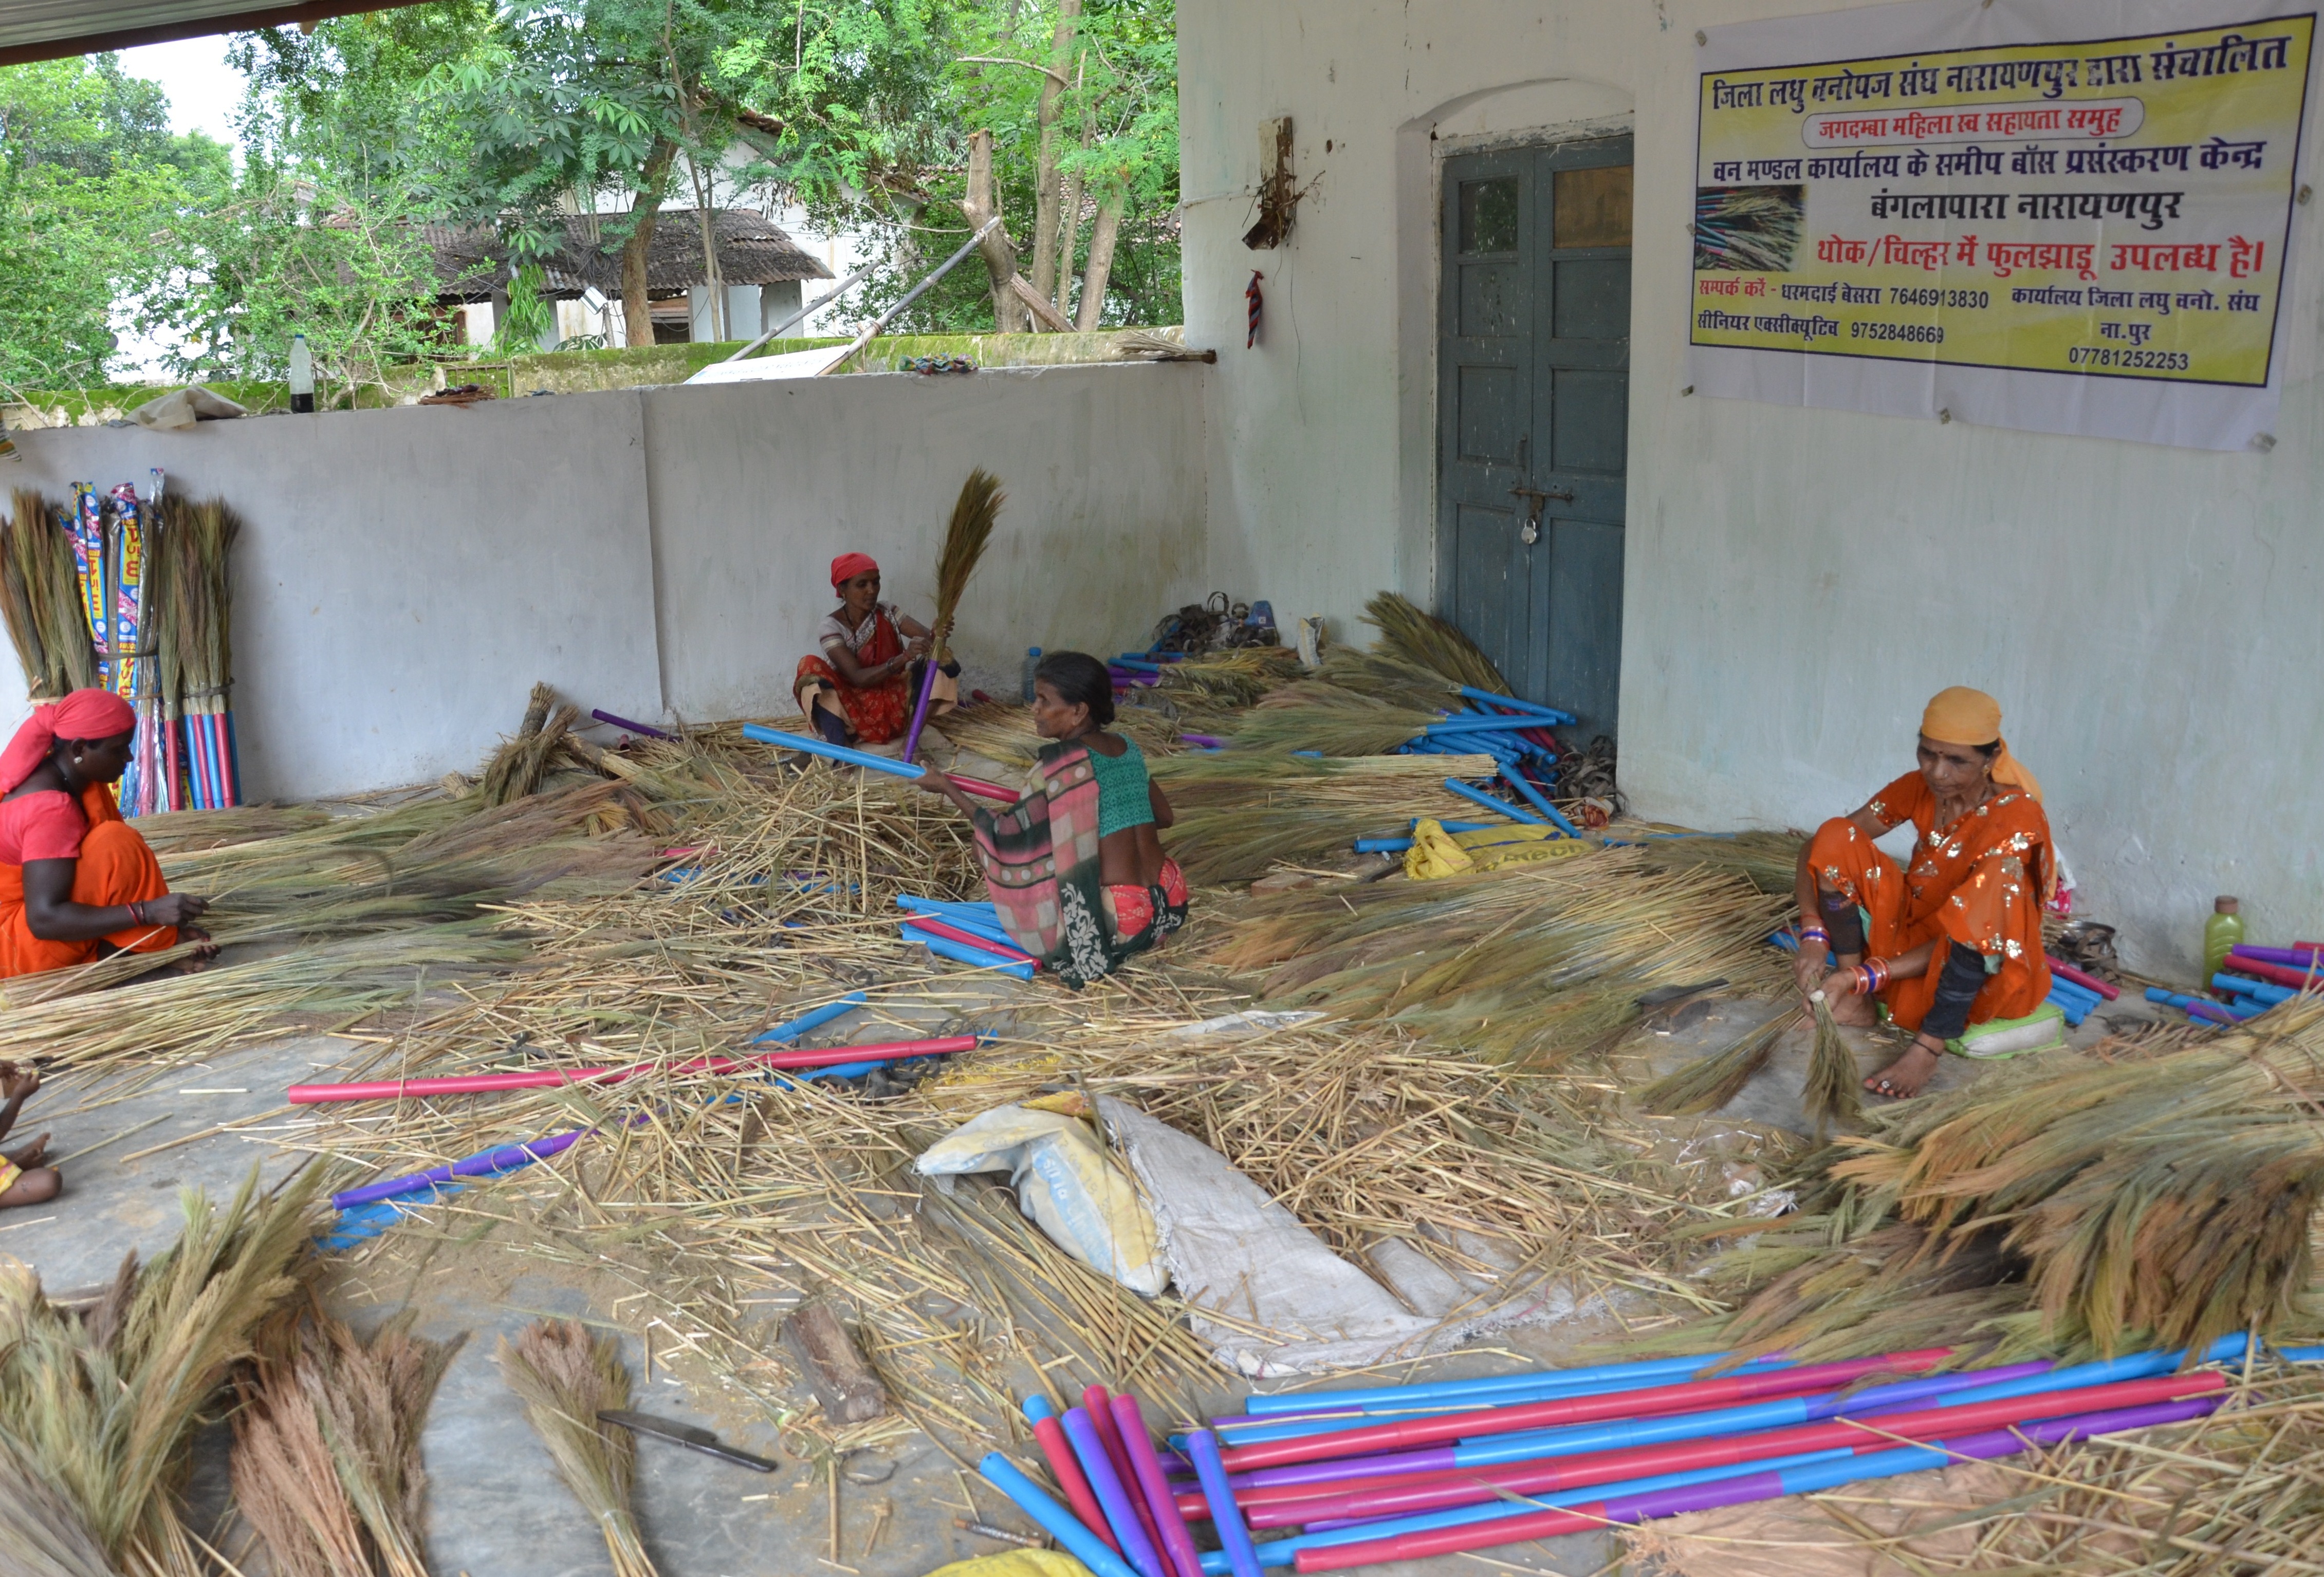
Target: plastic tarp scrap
<point>176,412</point>
<point>1284,1303</point>
<point>1066,1184</point>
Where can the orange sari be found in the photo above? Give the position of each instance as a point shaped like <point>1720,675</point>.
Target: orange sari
<point>116,866</point>
<point>1979,882</point>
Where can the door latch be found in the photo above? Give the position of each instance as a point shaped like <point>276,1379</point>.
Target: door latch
<point>1530,532</point>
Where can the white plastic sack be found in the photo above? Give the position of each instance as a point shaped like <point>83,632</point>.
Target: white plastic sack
<point>182,408</point>
<point>1066,1184</point>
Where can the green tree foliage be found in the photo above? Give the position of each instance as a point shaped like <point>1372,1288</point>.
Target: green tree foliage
<point>89,171</point>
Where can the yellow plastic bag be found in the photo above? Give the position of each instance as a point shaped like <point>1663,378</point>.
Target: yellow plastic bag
<point>1016,1564</point>
<point>1434,854</point>
<point>1067,1183</point>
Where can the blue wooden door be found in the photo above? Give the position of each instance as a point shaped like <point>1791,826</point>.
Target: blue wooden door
<point>1533,416</point>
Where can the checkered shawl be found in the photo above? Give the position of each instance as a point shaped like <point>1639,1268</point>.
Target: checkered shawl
<point>1040,860</point>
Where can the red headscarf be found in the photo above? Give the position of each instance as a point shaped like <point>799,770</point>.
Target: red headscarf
<point>83,714</point>
<point>848,565</point>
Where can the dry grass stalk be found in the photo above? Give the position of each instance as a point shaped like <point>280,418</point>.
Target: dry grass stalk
<point>514,770</point>
<point>1832,1097</point>
<point>566,1377</point>
<point>1240,812</point>
<point>1710,1083</point>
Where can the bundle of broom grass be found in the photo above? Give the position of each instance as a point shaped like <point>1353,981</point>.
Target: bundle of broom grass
<point>1314,716</point>
<point>1531,963</point>
<point>1208,691</point>
<point>966,533</point>
<point>1003,732</point>
<point>2164,1192</point>
<point>1239,812</point>
<point>40,596</point>
<point>97,1405</point>
<point>326,1464</point>
<point>1769,859</point>
<point>566,1377</point>
<point>517,766</point>
<point>193,602</point>
<point>1419,639</point>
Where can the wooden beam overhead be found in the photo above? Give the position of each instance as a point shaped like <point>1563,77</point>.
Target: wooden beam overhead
<point>50,30</point>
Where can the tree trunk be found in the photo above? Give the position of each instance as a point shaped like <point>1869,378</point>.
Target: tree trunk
<point>637,304</point>
<point>1102,235</point>
<point>1053,91</point>
<point>713,277</point>
<point>999,254</point>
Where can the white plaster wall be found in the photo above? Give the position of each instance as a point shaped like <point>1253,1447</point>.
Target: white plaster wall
<point>1797,581</point>
<point>758,486</point>
<point>408,574</point>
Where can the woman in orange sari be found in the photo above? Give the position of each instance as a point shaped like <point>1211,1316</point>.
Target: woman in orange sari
<point>1954,938</point>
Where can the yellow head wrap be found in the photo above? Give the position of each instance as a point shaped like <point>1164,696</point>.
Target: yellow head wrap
<point>1961,716</point>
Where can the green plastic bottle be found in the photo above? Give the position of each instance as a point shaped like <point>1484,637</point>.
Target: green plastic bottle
<point>2223,930</point>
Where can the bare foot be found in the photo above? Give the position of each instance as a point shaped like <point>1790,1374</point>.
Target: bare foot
<point>1907,1076</point>
<point>32,1155</point>
<point>1854,1012</point>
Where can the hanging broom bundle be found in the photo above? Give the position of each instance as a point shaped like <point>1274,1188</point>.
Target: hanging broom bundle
<point>564,1377</point>
<point>966,535</point>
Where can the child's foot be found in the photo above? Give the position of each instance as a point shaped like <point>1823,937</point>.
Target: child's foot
<point>32,1155</point>
<point>1907,1076</point>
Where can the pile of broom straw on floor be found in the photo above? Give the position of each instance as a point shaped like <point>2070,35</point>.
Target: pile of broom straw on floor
<point>2163,1190</point>
<point>1532,963</point>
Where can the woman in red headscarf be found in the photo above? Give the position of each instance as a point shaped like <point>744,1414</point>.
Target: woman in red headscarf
<point>1954,938</point>
<point>76,880</point>
<point>860,689</point>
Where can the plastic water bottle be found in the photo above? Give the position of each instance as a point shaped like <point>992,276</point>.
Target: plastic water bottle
<point>1032,661</point>
<point>2223,930</point>
<point>302,375</point>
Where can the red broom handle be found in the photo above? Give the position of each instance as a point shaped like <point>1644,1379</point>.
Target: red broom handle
<point>2277,975</point>
<point>970,939</point>
<point>2059,966</point>
<point>1059,1451</point>
<point>985,791</point>
<point>1688,1397</point>
<point>549,1078</point>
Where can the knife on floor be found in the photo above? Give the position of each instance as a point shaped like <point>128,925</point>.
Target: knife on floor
<point>687,1436</point>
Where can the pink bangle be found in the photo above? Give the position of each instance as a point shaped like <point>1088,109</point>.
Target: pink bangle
<point>1870,976</point>
<point>137,913</point>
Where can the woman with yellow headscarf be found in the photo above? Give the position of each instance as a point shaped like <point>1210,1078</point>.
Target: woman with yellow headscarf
<point>1955,936</point>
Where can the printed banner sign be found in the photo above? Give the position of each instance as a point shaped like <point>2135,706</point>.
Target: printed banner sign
<point>2016,214</point>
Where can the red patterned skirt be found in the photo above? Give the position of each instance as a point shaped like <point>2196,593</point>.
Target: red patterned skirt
<point>875,714</point>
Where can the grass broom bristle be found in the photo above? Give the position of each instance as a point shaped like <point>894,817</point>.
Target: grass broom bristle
<point>1710,1083</point>
<point>965,536</point>
<point>564,1377</point>
<point>1410,633</point>
<point>1833,1097</point>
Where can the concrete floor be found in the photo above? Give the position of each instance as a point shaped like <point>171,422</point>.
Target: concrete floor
<point>129,1145</point>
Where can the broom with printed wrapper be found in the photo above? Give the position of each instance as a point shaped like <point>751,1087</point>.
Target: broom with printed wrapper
<point>969,528</point>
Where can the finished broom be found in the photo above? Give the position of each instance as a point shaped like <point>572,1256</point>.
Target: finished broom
<point>1832,1095</point>
<point>970,528</point>
<point>564,1377</point>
